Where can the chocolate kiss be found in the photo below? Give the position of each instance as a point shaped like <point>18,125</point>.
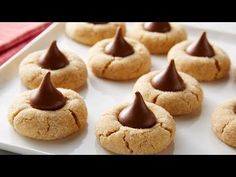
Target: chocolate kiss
<point>47,97</point>
<point>168,80</point>
<point>53,59</point>
<point>201,47</point>
<point>137,115</point>
<point>160,27</point>
<point>118,47</point>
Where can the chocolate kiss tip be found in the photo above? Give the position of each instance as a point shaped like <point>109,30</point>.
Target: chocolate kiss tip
<point>119,33</point>
<point>137,115</point>
<point>138,94</point>
<point>47,97</point>
<point>201,47</point>
<point>172,63</point>
<point>204,34</point>
<point>54,43</point>
<point>168,80</point>
<point>119,30</point>
<point>47,76</point>
<point>53,59</point>
<point>119,47</point>
<point>161,27</point>
<point>203,37</point>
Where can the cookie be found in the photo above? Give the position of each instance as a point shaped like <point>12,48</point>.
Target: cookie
<point>136,128</point>
<point>158,37</point>
<point>224,122</point>
<point>119,58</point>
<point>66,67</point>
<point>48,113</point>
<point>90,33</point>
<point>200,59</point>
<point>176,92</point>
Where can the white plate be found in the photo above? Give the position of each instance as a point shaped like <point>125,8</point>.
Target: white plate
<point>194,134</point>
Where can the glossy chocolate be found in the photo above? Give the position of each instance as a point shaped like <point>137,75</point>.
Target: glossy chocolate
<point>137,115</point>
<point>53,59</point>
<point>119,47</point>
<point>47,97</point>
<point>160,27</point>
<point>201,47</point>
<point>168,80</point>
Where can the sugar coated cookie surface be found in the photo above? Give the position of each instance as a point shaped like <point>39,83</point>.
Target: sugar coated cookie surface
<point>175,102</point>
<point>224,122</point>
<point>157,42</point>
<point>203,68</point>
<point>120,139</point>
<point>47,113</point>
<point>72,76</point>
<point>128,65</point>
<point>90,33</point>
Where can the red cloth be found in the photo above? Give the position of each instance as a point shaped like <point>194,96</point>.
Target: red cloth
<point>14,36</point>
